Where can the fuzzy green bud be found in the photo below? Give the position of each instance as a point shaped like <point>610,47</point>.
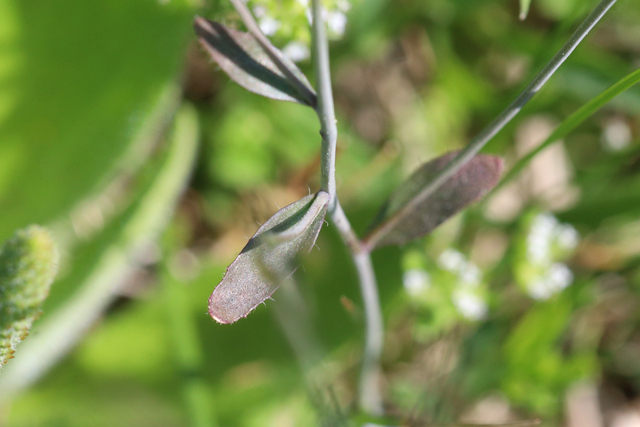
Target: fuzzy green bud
<point>28,265</point>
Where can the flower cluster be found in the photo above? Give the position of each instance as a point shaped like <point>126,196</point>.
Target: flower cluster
<point>539,269</point>
<point>467,296</point>
<point>289,20</point>
<point>452,289</point>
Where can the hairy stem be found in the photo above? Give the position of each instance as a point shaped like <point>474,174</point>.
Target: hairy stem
<point>370,396</point>
<point>324,109</point>
<point>497,124</point>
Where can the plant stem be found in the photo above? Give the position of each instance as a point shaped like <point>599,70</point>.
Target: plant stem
<point>370,396</point>
<point>293,315</point>
<point>496,125</point>
<point>324,109</point>
<point>188,352</point>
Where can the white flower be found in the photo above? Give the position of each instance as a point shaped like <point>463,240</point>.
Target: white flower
<point>259,11</point>
<point>469,305</point>
<point>269,25</point>
<point>470,275</point>
<point>557,278</point>
<point>545,223</point>
<point>296,51</point>
<point>337,22</point>
<point>540,237</point>
<point>540,289</point>
<point>343,5</point>
<point>452,260</point>
<point>560,276</point>
<point>568,237</point>
<point>616,135</point>
<point>415,281</point>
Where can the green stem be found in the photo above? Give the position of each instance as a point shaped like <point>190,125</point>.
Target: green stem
<point>188,353</point>
<point>325,109</point>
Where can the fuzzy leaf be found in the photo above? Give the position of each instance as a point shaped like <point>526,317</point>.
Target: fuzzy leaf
<point>471,182</point>
<point>28,264</point>
<point>242,57</point>
<point>269,257</point>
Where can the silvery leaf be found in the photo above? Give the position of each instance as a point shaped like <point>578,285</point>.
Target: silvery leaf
<point>269,257</point>
<point>242,57</point>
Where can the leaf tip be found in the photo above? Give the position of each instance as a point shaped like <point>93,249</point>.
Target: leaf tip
<point>217,310</point>
<point>200,24</point>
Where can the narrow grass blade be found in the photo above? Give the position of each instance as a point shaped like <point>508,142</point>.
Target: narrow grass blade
<point>573,121</point>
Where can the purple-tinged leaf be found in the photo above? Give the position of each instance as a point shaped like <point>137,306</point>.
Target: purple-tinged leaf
<point>469,184</point>
<point>242,57</point>
<point>270,256</point>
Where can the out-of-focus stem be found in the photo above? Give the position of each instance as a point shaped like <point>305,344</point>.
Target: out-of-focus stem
<point>188,354</point>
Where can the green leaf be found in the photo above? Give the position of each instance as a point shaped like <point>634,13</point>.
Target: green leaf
<point>524,9</point>
<point>269,257</point>
<point>417,219</point>
<point>103,269</point>
<point>242,57</point>
<point>85,88</point>
<point>28,264</point>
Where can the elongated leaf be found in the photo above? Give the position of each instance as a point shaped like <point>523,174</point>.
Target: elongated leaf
<point>471,182</point>
<point>77,110</point>
<point>98,270</point>
<point>240,55</point>
<point>269,257</point>
<point>575,120</point>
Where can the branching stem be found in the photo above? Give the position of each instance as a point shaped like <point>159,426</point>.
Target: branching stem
<point>370,396</point>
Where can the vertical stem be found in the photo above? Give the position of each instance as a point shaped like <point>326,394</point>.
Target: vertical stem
<point>324,109</point>
<point>188,353</point>
<point>370,396</point>
<point>293,316</point>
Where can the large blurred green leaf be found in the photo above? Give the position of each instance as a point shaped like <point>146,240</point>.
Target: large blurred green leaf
<point>98,269</point>
<point>79,83</point>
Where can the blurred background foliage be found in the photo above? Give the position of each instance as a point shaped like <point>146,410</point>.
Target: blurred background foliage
<point>151,170</point>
